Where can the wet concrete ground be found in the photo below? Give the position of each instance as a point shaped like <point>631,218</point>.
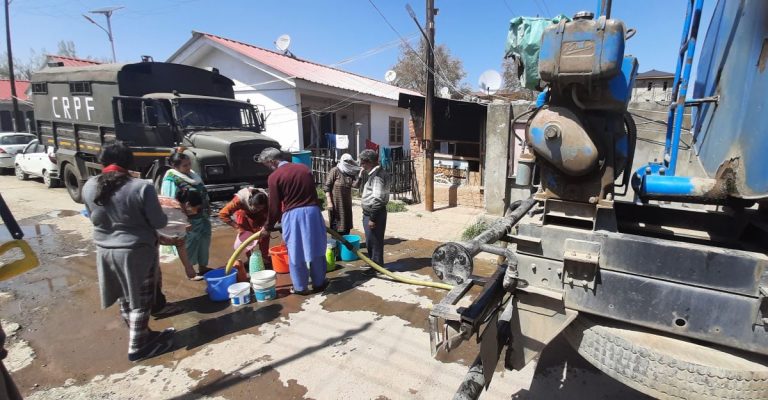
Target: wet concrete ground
<point>365,337</point>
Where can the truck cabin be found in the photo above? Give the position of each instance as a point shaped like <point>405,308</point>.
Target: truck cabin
<point>183,114</point>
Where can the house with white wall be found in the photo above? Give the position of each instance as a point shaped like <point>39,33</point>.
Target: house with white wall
<point>303,100</point>
<point>653,86</point>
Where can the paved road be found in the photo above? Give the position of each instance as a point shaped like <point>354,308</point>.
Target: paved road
<point>364,338</point>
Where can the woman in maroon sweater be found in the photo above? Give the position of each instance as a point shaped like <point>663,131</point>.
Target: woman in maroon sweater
<point>293,201</point>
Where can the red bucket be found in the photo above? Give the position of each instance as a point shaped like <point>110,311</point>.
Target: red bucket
<point>279,256</point>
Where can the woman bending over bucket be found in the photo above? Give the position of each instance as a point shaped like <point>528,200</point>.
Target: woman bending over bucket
<point>247,212</point>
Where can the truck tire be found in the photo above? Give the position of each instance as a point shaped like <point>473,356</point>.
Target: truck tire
<point>667,367</point>
<point>73,183</point>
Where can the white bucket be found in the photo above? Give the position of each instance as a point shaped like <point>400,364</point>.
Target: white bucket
<point>239,293</point>
<point>263,283</point>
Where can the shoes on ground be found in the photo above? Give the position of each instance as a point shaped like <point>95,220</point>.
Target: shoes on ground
<point>321,288</point>
<point>301,292</point>
<point>159,343</point>
<point>168,310</point>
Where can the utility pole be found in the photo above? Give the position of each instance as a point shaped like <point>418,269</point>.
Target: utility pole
<point>429,148</point>
<point>18,122</point>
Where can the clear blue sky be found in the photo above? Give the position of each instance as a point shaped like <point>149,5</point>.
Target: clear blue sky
<point>328,31</point>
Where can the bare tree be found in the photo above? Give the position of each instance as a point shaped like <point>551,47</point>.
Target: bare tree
<point>23,69</point>
<point>411,70</point>
<point>511,81</point>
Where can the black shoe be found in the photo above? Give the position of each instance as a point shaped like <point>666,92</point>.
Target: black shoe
<point>305,292</point>
<point>369,271</point>
<point>158,344</point>
<point>321,288</point>
<point>168,310</point>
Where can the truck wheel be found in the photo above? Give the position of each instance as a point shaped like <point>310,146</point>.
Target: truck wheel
<point>73,184</point>
<point>667,367</point>
<point>20,173</point>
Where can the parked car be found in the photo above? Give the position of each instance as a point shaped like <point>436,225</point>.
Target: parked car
<point>10,144</point>
<point>37,160</point>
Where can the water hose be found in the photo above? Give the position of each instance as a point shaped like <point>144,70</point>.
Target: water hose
<point>233,258</point>
<point>384,271</point>
<point>377,267</point>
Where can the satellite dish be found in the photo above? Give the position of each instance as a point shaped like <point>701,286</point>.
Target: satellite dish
<point>390,76</point>
<point>490,81</point>
<point>445,92</point>
<point>282,42</point>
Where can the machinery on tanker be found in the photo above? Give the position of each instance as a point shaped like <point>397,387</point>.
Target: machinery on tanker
<point>671,301</point>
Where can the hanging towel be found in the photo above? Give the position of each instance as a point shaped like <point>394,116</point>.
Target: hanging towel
<point>385,157</point>
<point>371,146</point>
<point>330,140</point>
<point>342,142</point>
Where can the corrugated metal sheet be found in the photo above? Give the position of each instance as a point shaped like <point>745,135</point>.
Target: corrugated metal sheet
<point>70,61</point>
<point>5,89</point>
<point>312,72</point>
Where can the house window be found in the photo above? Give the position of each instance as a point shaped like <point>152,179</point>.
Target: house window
<point>664,87</point>
<point>40,88</point>
<point>650,86</point>
<point>80,87</point>
<point>395,131</point>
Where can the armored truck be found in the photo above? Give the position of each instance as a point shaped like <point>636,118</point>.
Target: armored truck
<point>153,107</point>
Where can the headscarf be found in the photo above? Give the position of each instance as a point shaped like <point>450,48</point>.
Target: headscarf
<point>348,165</point>
<point>245,195</point>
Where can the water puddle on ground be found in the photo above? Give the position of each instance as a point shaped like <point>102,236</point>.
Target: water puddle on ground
<point>62,213</point>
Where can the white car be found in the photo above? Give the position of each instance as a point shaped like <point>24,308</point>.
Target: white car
<point>37,160</point>
<point>10,144</point>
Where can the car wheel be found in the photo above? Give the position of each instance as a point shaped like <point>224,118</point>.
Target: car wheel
<point>48,181</point>
<point>20,173</point>
<point>73,184</point>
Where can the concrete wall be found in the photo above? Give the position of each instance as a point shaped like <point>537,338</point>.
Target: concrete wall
<point>497,134</point>
<point>279,99</point>
<point>640,92</point>
<point>380,114</point>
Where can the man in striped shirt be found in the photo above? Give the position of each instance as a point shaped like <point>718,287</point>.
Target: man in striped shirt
<point>374,201</point>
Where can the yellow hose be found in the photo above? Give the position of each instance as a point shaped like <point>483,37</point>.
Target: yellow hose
<point>239,250</point>
<point>338,237</point>
<point>386,272</point>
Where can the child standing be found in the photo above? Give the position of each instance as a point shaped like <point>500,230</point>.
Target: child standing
<point>198,239</point>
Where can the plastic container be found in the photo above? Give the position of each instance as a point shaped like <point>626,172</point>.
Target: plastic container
<point>302,157</point>
<point>218,282</point>
<point>346,254</point>
<point>255,263</point>
<point>330,254</point>
<point>240,293</point>
<point>263,283</point>
<point>279,256</point>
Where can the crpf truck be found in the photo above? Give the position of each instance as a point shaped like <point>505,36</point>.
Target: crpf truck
<point>152,107</point>
<point>667,294</point>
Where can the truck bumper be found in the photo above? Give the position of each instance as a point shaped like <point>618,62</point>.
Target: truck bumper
<point>225,189</point>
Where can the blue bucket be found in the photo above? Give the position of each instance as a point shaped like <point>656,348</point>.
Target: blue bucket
<point>218,283</point>
<point>265,294</point>
<point>302,157</point>
<point>346,254</point>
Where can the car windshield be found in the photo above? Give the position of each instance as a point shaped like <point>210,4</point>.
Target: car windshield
<point>16,139</point>
<point>195,113</point>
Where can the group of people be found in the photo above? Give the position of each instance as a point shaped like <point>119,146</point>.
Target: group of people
<point>127,215</point>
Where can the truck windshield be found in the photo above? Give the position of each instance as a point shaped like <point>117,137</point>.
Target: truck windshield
<point>196,113</point>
